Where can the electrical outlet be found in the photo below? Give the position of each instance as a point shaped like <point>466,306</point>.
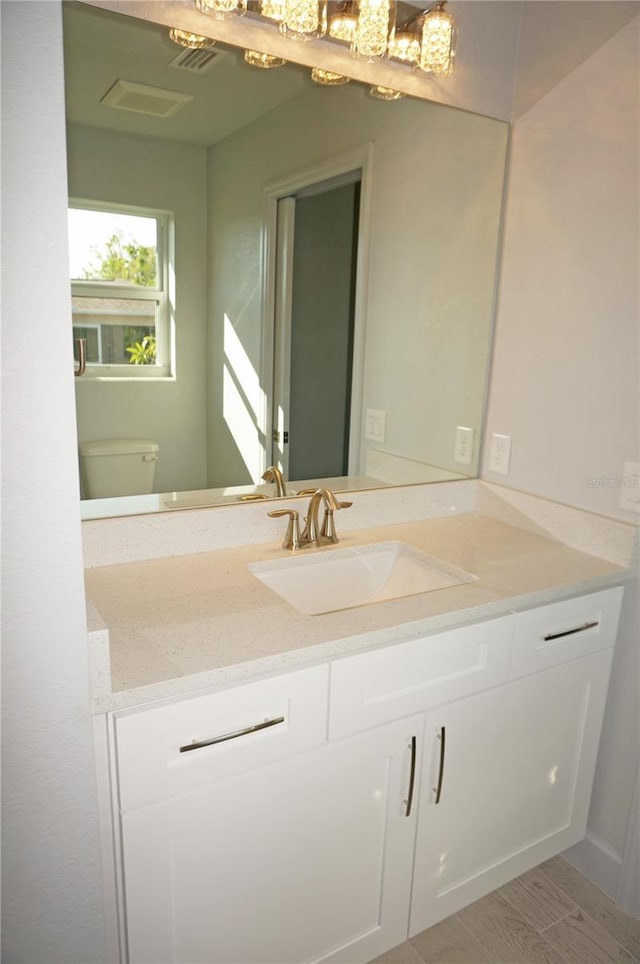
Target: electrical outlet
<point>375,426</point>
<point>500,454</point>
<point>630,490</point>
<point>464,445</point>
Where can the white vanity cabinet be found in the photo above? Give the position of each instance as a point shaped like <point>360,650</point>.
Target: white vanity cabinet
<point>507,773</point>
<point>307,858</point>
<point>506,784</point>
<point>328,813</point>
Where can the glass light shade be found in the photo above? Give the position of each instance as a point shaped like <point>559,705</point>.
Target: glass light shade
<point>386,93</point>
<point>438,43</point>
<point>342,23</point>
<point>374,29</point>
<point>266,61</point>
<point>222,9</point>
<point>304,19</point>
<point>405,46</point>
<point>273,9</point>
<point>194,41</point>
<point>328,78</point>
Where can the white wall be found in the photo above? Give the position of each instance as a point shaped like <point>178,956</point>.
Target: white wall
<point>565,382</point>
<point>51,884</point>
<point>154,173</point>
<point>435,213</point>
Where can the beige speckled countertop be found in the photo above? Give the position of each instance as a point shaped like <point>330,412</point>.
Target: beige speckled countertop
<point>187,624</point>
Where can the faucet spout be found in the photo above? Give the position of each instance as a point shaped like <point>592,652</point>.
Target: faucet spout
<point>273,474</point>
<point>311,534</point>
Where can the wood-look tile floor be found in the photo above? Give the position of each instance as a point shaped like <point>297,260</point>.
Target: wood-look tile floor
<point>550,915</point>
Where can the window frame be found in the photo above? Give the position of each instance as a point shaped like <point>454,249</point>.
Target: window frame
<point>163,296</point>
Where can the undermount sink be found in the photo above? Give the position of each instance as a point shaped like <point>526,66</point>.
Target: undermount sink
<point>334,579</point>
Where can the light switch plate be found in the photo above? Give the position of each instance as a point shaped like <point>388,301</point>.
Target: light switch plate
<point>375,425</point>
<point>630,488</point>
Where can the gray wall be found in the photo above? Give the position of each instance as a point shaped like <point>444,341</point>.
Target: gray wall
<point>321,334</point>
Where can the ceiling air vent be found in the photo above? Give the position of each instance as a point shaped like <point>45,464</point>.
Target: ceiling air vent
<point>142,99</point>
<point>197,61</point>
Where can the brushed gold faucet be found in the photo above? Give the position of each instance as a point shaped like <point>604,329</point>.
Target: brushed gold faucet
<point>273,474</point>
<point>313,534</point>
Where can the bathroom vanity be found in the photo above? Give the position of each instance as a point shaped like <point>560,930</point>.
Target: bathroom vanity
<point>354,777</point>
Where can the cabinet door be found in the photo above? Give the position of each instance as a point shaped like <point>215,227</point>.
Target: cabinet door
<point>516,766</point>
<point>308,859</point>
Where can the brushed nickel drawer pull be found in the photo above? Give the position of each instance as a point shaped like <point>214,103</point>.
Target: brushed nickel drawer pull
<point>438,789</point>
<point>231,736</point>
<point>412,777</point>
<point>571,632</point>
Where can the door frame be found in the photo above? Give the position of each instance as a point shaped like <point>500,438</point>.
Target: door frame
<point>331,168</point>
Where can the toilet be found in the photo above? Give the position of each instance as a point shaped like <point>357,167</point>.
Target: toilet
<point>116,467</point>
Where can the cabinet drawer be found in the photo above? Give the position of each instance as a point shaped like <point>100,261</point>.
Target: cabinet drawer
<point>179,747</point>
<point>549,635</point>
<point>376,687</point>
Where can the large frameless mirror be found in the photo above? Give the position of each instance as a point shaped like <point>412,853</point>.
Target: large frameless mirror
<point>269,271</point>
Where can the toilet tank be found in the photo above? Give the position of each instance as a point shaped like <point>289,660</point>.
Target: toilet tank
<point>114,467</point>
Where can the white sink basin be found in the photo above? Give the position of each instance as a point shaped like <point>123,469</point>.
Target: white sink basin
<point>323,582</point>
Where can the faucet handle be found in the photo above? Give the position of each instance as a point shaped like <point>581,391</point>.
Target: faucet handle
<point>328,530</point>
<point>292,535</point>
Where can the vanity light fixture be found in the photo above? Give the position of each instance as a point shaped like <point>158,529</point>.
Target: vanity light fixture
<point>194,41</point>
<point>375,26</point>
<point>438,41</point>
<point>342,22</point>
<point>405,46</point>
<point>386,93</point>
<point>222,9</point>
<point>273,9</point>
<point>426,41</point>
<point>327,78</point>
<point>266,61</point>
<point>304,19</point>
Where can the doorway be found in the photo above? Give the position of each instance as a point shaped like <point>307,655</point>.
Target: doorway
<point>316,271</point>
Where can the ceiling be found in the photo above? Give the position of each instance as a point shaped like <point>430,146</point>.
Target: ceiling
<point>101,47</point>
<point>517,50</point>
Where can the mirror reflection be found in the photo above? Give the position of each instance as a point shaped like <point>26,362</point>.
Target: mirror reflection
<point>316,292</point>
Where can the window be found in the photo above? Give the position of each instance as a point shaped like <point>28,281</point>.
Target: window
<point>119,258</point>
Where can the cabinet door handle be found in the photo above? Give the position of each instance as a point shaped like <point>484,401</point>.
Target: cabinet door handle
<point>572,632</point>
<point>412,777</point>
<point>438,789</point>
<point>197,745</point>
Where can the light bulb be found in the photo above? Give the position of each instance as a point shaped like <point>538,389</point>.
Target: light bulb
<point>386,93</point>
<point>342,23</point>
<point>222,9</point>
<point>374,29</point>
<point>328,78</point>
<point>194,41</point>
<point>265,61</point>
<point>437,46</point>
<point>304,19</point>
<point>405,46</point>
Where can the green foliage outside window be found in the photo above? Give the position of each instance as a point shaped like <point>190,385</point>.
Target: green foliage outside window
<point>126,262</point>
<point>143,352</point>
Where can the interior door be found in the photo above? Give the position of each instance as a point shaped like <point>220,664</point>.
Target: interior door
<point>315,300</point>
